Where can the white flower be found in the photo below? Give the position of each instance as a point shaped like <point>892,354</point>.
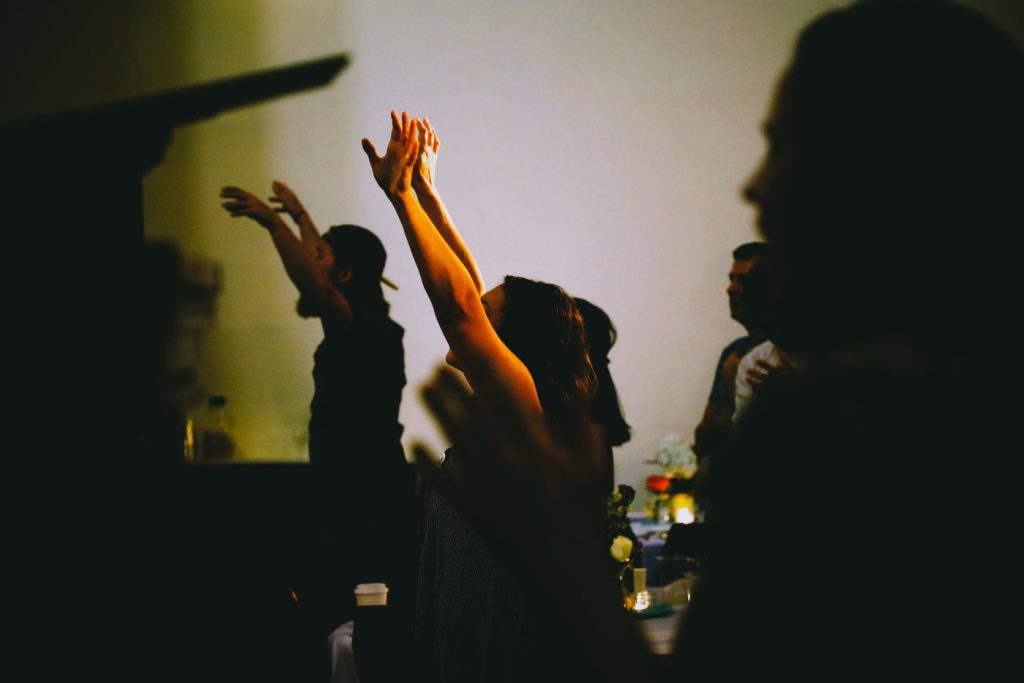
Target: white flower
<point>675,455</point>
<point>621,548</point>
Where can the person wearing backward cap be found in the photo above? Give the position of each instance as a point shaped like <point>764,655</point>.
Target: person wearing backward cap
<point>358,376</point>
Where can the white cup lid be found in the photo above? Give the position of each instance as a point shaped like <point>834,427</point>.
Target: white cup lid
<point>371,588</point>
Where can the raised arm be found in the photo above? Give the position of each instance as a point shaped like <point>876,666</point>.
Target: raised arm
<point>288,202</point>
<point>423,179</point>
<point>487,362</point>
<point>310,276</point>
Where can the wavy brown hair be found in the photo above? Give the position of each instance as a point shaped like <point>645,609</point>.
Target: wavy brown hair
<point>543,327</point>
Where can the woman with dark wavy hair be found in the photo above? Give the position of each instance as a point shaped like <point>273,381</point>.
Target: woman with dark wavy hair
<point>523,340</point>
<point>536,349</point>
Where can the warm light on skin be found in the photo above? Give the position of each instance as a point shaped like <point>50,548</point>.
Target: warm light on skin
<point>493,302</point>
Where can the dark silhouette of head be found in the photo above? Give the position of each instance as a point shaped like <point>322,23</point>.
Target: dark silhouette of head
<point>892,174</point>
<point>750,250</point>
<point>601,337</point>
<point>747,286</point>
<point>358,258</point>
<point>542,326</point>
<point>890,183</point>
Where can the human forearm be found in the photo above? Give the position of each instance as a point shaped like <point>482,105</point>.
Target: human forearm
<point>288,202</point>
<point>435,209</point>
<point>308,233</point>
<point>448,283</point>
<point>307,276</point>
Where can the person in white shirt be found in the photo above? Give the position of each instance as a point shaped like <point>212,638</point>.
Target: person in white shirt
<point>758,366</point>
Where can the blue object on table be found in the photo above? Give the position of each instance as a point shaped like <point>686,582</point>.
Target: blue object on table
<point>648,533</point>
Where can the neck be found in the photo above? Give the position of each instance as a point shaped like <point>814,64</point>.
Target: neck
<point>755,332</point>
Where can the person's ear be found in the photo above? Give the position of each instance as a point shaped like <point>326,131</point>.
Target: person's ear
<point>343,275</point>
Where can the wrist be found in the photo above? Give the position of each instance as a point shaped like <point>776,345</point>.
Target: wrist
<point>422,182</point>
<point>403,197</point>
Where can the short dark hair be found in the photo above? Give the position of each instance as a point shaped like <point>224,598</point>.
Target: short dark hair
<point>750,250</point>
<point>359,250</point>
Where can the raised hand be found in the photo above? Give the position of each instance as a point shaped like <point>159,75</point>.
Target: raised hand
<point>511,456</point>
<point>393,171</point>
<point>242,203</point>
<point>535,503</point>
<point>426,161</point>
<point>287,200</point>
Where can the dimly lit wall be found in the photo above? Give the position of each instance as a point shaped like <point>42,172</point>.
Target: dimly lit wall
<point>598,145</point>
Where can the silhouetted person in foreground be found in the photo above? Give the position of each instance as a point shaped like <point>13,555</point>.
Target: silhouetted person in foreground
<point>894,147</point>
<point>365,487</point>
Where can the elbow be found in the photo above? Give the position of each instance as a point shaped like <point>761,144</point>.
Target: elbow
<point>459,308</point>
<point>449,315</point>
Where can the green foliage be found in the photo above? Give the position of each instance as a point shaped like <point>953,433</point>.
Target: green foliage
<point>617,507</point>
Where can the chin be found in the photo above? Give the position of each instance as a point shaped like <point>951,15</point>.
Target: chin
<point>307,309</point>
<point>450,360</point>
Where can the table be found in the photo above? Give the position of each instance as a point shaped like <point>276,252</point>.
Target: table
<point>650,533</point>
<point>660,632</point>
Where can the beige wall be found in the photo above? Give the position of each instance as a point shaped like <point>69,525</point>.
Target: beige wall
<point>598,145</point>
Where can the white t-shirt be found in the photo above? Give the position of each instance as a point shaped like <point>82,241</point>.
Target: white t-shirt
<point>766,351</point>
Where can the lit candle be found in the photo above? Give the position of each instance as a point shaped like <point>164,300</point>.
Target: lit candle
<point>683,508</point>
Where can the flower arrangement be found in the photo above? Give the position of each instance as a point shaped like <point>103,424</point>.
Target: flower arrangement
<point>621,539</point>
<point>668,498</point>
<point>675,457</point>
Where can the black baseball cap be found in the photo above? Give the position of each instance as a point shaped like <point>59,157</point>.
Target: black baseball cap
<point>360,250</point>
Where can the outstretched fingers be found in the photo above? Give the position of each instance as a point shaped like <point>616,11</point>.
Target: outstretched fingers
<point>396,126</point>
<point>410,152</point>
<point>432,141</point>
<point>233,192</point>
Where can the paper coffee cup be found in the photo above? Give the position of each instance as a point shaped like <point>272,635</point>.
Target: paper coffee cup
<point>371,594</point>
